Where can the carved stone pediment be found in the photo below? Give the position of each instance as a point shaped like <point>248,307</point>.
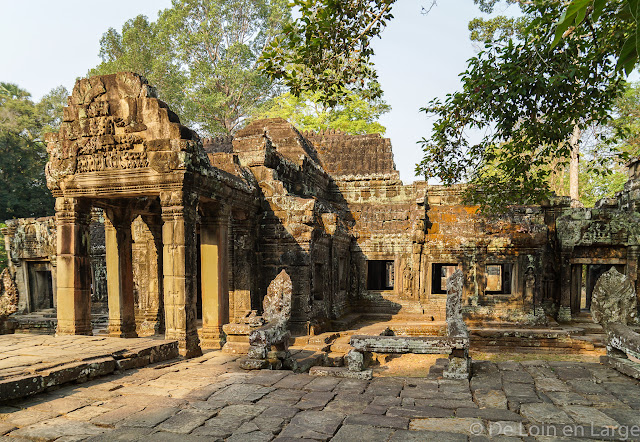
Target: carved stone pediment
<point>116,123</point>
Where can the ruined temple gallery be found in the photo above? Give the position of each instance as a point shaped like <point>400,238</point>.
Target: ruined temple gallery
<point>174,231</point>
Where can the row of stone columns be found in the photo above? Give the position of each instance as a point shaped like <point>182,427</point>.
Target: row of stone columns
<point>179,266</point>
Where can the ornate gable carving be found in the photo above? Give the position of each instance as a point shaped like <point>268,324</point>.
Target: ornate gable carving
<point>115,122</point>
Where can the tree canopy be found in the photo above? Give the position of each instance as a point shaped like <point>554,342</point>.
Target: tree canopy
<point>202,56</point>
<point>22,151</point>
<point>327,50</point>
<point>354,114</point>
<point>527,98</point>
<point>593,14</point>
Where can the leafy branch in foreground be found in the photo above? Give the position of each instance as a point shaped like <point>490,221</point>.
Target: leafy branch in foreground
<point>579,12</point>
<point>523,100</point>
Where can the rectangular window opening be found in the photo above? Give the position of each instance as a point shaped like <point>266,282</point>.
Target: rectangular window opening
<point>380,275</point>
<point>498,279</point>
<point>439,275</point>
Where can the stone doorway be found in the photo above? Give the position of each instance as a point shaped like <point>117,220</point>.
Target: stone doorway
<point>40,286</point>
<point>583,280</point>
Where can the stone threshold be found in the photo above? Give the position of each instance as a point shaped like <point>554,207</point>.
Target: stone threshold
<point>32,364</point>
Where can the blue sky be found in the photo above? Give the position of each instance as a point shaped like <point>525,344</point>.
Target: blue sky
<point>419,57</point>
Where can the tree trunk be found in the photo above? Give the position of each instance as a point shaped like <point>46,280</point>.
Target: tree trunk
<point>574,189</point>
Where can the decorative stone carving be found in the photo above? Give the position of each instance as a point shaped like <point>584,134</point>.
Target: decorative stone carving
<point>529,288</point>
<point>455,324</point>
<point>277,302</point>
<point>8,294</point>
<point>115,122</point>
<point>275,334</point>
<point>614,299</point>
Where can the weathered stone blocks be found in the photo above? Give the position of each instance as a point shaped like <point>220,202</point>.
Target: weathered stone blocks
<point>614,299</point>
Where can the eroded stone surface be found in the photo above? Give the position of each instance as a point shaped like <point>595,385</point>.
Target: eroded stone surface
<point>262,405</point>
<point>614,299</point>
<point>8,295</point>
<point>455,324</point>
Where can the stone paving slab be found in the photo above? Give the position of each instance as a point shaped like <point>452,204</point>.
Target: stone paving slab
<point>211,398</point>
<point>31,364</point>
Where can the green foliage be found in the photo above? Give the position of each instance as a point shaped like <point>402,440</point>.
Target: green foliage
<point>50,109</point>
<point>22,152</point>
<point>138,48</point>
<point>601,173</point>
<point>3,251</point>
<point>592,12</point>
<point>594,187</point>
<point>497,29</point>
<point>524,99</point>
<point>202,56</point>
<point>327,51</point>
<point>354,115</point>
<point>627,121</point>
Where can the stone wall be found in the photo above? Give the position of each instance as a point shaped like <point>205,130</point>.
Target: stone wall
<point>31,249</point>
<point>198,229</point>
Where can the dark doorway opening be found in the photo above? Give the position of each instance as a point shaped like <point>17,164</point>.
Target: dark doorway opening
<point>380,275</point>
<point>40,287</point>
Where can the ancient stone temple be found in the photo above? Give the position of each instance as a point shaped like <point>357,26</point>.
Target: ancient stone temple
<point>31,246</point>
<point>195,232</point>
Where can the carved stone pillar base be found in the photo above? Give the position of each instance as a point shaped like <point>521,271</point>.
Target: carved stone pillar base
<point>74,328</point>
<point>187,345</point>
<point>564,314</point>
<point>149,327</point>
<point>118,329</point>
<point>212,337</point>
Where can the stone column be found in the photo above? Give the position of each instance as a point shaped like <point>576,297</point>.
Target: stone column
<point>243,255</point>
<point>74,267</point>
<point>153,312</point>
<point>213,273</point>
<point>576,288</point>
<point>564,312</point>
<point>118,242</point>
<point>179,269</point>
<point>633,252</point>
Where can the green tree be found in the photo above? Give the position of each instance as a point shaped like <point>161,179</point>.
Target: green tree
<point>593,13</point>
<point>202,56</point>
<point>530,101</point>
<point>22,152</point>
<point>3,251</point>
<point>327,50</point>
<point>354,114</point>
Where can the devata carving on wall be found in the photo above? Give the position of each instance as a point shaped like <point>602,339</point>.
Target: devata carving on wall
<point>194,234</point>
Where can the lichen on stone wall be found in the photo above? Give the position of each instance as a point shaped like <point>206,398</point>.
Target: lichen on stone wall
<point>8,294</point>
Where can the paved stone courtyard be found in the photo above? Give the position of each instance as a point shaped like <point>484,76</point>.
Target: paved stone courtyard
<point>210,398</point>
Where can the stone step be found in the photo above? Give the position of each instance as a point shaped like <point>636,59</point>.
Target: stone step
<point>522,333</point>
<point>302,360</point>
<point>341,372</point>
<point>75,359</point>
<point>323,338</point>
<point>345,322</point>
